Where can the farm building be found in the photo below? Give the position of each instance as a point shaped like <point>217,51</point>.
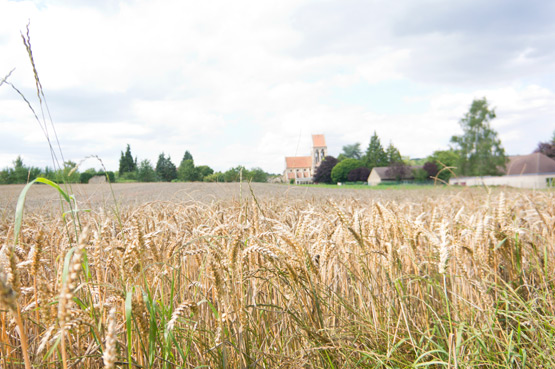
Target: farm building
<point>523,171</point>
<point>384,175</point>
<point>302,168</point>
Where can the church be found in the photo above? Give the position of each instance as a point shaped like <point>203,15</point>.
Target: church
<point>301,169</point>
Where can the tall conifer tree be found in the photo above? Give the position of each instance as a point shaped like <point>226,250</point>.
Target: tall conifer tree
<point>375,155</point>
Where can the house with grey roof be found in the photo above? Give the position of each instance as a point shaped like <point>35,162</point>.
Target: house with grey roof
<point>523,171</point>
<point>385,175</point>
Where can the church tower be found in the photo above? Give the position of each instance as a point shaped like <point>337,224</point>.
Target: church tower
<point>319,151</point>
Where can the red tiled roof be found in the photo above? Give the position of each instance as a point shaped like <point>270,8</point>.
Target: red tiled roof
<point>298,162</point>
<point>318,141</point>
<point>530,164</point>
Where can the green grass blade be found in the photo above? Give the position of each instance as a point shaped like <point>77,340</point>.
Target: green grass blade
<point>128,311</point>
<point>54,185</point>
<point>75,212</point>
<point>21,203</point>
<point>19,211</point>
<point>67,261</point>
<point>177,345</point>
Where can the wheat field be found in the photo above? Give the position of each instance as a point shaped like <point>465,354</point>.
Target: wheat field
<point>434,278</point>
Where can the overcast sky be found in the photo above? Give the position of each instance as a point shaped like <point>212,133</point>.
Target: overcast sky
<point>247,82</point>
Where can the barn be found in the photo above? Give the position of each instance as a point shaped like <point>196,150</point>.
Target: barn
<point>384,175</point>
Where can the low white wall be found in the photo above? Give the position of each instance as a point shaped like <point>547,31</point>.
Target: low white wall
<point>536,181</point>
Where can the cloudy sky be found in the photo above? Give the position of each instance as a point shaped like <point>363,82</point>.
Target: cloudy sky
<point>248,81</point>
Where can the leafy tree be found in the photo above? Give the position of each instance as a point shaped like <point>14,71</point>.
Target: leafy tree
<point>444,159</point>
<point>91,171</point>
<point>234,174</point>
<point>204,171</point>
<point>126,162</point>
<point>547,148</point>
<point>431,169</point>
<point>323,172</point>
<point>4,176</point>
<point>20,172</point>
<point>420,174</point>
<point>359,174</point>
<point>111,175</point>
<point>145,172</point>
<point>341,157</point>
<point>49,173</point>
<point>128,177</point>
<point>214,177</point>
<point>351,151</point>
<point>480,151</point>
<point>393,154</point>
<point>165,169</point>
<point>416,162</point>
<point>69,173</point>
<point>257,175</point>
<point>341,171</point>
<point>375,155</point>
<point>34,172</point>
<point>187,171</point>
<point>85,177</point>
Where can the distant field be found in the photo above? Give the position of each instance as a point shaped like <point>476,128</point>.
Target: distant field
<point>191,275</point>
<point>95,195</point>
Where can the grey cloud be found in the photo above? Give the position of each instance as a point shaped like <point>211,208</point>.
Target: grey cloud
<point>466,61</point>
<point>467,42</point>
<point>13,145</point>
<point>76,104</point>
<point>477,18</point>
<point>478,42</point>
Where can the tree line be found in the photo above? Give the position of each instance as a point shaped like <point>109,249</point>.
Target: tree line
<point>477,152</point>
<point>131,170</point>
<point>21,173</point>
<point>166,171</point>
